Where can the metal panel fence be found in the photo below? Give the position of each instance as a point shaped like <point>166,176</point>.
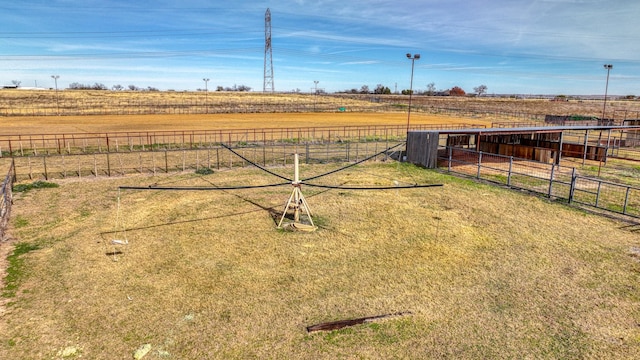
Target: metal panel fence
<point>43,167</point>
<point>6,199</point>
<point>89,143</point>
<point>553,181</point>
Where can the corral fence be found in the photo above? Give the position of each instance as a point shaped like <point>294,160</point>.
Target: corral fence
<point>59,166</point>
<point>553,181</point>
<point>80,107</point>
<point>89,143</point>
<point>6,200</point>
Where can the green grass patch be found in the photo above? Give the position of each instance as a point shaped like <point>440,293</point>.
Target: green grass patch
<point>34,185</point>
<point>204,171</point>
<point>20,222</point>
<point>16,268</point>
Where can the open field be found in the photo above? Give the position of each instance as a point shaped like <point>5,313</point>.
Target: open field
<point>480,272</point>
<point>114,123</point>
<point>68,102</point>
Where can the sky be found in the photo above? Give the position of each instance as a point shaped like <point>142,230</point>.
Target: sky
<point>511,46</point>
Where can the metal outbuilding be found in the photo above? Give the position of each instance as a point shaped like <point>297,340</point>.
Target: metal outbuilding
<point>541,143</point>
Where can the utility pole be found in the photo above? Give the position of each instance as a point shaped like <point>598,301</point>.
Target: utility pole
<point>206,93</point>
<point>55,79</point>
<point>413,59</point>
<point>315,96</point>
<point>606,89</point>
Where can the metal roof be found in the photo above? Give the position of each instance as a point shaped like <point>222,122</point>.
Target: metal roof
<point>527,130</point>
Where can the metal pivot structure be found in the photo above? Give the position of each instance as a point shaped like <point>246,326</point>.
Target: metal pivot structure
<point>268,64</point>
<point>298,204</point>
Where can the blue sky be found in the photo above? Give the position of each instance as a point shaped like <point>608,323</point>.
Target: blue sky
<point>511,46</point>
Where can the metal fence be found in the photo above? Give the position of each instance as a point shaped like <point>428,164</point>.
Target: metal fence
<point>553,181</point>
<point>89,143</point>
<point>6,200</point>
<point>46,167</point>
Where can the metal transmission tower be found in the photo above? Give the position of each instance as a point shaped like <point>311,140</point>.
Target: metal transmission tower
<point>268,64</point>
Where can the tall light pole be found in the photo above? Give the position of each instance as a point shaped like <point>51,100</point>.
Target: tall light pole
<point>413,59</point>
<point>315,96</point>
<point>606,89</point>
<point>206,93</point>
<point>55,79</point>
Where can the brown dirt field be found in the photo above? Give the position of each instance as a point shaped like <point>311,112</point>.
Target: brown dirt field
<point>113,123</point>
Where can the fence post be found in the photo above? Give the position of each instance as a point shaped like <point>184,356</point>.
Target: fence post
<point>479,164</point>
<point>357,149</point>
<point>13,169</point>
<point>598,193</point>
<point>108,165</point>
<point>572,188</point>
<point>510,169</point>
<point>626,201</point>
<point>450,158</point>
<point>44,160</point>
<point>306,150</point>
<point>551,181</point>
<point>166,163</point>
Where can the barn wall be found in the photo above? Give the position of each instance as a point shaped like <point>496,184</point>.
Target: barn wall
<point>422,148</point>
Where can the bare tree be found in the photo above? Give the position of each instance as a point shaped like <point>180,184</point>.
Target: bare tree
<point>482,89</point>
<point>431,89</point>
<point>16,82</point>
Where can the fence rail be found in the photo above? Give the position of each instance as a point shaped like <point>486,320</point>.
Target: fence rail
<point>6,200</point>
<point>89,143</point>
<point>46,167</point>
<point>553,181</point>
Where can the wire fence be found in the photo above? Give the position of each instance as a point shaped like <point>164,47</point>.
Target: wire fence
<point>89,143</point>
<point>6,200</point>
<point>553,181</point>
<point>67,103</point>
<point>60,166</point>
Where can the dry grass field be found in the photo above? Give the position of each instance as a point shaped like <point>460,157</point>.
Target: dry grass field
<point>479,271</point>
<point>76,102</point>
